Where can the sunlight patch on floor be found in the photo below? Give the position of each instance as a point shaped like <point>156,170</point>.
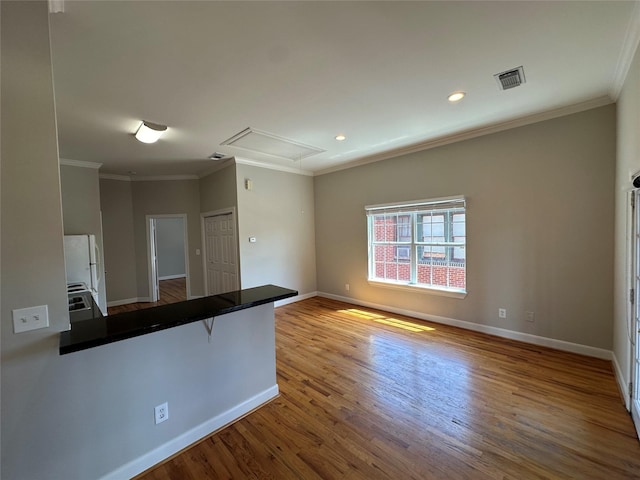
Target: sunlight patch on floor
<point>394,322</point>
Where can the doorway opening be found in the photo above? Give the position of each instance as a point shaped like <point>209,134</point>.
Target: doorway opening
<point>168,258</point>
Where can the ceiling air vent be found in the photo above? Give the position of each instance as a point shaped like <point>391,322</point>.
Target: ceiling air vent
<point>511,78</point>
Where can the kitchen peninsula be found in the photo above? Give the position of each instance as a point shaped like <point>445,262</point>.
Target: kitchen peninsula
<point>113,328</point>
<point>212,360</point>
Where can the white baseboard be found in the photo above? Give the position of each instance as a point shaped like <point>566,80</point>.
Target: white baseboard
<point>499,332</point>
<point>172,447</point>
<point>125,301</point>
<point>297,298</point>
<point>172,277</point>
<point>623,382</point>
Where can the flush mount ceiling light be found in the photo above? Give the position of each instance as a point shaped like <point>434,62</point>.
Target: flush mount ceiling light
<point>456,97</point>
<point>341,137</point>
<point>150,132</point>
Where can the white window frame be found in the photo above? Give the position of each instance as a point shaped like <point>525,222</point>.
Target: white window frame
<point>413,208</point>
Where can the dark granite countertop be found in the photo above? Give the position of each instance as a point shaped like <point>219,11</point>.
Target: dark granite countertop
<point>114,328</point>
<point>90,313</point>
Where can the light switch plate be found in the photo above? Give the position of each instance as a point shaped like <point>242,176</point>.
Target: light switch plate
<point>31,318</point>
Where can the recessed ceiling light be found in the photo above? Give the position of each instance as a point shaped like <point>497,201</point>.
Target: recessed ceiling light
<point>456,97</point>
<point>150,132</point>
<point>341,137</point>
<point>217,156</point>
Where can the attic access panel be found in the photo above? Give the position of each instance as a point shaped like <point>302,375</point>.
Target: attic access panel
<point>270,144</point>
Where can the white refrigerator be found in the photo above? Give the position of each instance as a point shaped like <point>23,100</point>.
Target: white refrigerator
<point>83,264</point>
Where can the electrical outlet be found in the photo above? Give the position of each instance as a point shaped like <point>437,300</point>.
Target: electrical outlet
<point>346,287</point>
<point>32,318</point>
<point>530,316</point>
<point>162,413</point>
<point>502,313</point>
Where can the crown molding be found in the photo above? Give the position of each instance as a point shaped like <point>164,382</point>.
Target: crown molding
<point>628,51</point>
<point>163,178</point>
<point>270,166</point>
<point>150,178</point>
<point>474,132</point>
<point>79,163</point>
<point>111,176</point>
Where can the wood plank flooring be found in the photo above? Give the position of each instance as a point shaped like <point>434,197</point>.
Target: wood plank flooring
<point>371,395</point>
<point>171,291</point>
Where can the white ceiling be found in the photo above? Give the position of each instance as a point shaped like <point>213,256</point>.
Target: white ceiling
<point>379,72</point>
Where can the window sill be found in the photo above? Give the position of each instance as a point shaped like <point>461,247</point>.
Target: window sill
<point>443,292</point>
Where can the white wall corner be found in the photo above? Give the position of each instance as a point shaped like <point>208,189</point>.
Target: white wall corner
<point>628,51</point>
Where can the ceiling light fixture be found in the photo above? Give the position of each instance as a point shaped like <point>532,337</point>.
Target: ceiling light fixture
<point>150,132</point>
<point>217,156</point>
<point>341,137</point>
<point>456,97</point>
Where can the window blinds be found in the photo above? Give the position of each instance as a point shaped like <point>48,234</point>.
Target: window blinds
<point>437,204</point>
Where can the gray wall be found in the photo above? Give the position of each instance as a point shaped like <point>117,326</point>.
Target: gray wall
<point>279,213</point>
<point>539,226</point>
<point>81,210</point>
<point>83,415</point>
<point>80,200</point>
<point>628,163</point>
<point>165,198</point>
<point>32,254</point>
<point>119,240</point>
<point>218,190</point>
<point>170,244</point>
<point>125,208</point>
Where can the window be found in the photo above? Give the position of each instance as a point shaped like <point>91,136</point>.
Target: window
<point>419,244</point>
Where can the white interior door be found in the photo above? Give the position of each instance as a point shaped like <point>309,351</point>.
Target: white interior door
<point>635,366</point>
<point>221,253</point>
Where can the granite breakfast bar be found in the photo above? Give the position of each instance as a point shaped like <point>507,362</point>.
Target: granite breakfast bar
<point>102,330</point>
<point>211,360</point>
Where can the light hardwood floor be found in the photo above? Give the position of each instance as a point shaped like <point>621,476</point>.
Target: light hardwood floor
<point>171,291</point>
<point>371,395</point>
